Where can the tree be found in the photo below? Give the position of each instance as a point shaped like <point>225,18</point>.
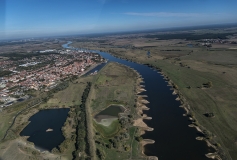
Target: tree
<point>209,84</point>
<point>100,154</point>
<point>207,134</point>
<point>127,148</point>
<point>35,152</point>
<point>139,139</point>
<point>209,114</point>
<point>175,86</point>
<point>55,150</point>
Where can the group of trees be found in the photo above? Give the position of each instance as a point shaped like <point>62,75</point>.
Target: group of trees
<point>61,86</point>
<point>209,114</point>
<point>117,142</point>
<point>208,84</point>
<point>190,36</point>
<point>183,65</point>
<point>125,121</point>
<point>81,144</point>
<point>100,153</point>
<point>19,56</point>
<point>5,73</point>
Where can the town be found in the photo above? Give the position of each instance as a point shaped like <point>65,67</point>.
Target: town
<point>42,71</point>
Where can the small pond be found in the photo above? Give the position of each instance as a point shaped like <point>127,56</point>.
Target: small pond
<point>190,45</point>
<point>110,112</point>
<point>44,129</point>
<point>20,99</point>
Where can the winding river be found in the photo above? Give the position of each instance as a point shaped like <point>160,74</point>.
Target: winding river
<point>174,140</point>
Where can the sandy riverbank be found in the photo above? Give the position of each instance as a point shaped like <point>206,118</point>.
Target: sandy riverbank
<point>140,106</point>
<point>213,156</point>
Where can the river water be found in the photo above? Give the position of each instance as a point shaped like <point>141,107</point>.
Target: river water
<point>174,140</point>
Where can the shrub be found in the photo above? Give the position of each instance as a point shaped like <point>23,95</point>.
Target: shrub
<point>139,139</point>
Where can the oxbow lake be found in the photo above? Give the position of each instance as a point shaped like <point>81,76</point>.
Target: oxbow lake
<point>46,119</point>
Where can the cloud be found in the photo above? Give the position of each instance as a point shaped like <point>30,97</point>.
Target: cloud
<point>165,14</point>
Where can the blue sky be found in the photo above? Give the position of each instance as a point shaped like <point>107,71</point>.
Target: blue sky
<point>26,18</point>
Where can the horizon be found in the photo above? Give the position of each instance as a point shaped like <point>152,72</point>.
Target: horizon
<point>27,18</point>
<point>225,25</point>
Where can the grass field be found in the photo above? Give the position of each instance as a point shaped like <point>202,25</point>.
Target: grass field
<point>70,96</point>
<point>189,68</point>
<point>113,85</point>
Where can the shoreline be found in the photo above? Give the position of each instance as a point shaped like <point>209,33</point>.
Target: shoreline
<point>186,107</point>
<point>138,122</point>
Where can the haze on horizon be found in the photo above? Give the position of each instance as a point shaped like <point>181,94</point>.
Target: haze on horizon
<point>32,18</point>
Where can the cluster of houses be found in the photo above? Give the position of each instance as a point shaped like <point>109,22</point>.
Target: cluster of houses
<point>209,42</point>
<point>55,68</point>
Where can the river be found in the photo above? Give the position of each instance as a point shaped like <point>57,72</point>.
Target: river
<point>174,140</point>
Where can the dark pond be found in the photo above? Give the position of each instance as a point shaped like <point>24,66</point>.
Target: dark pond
<point>9,103</point>
<point>95,69</point>
<point>148,53</point>
<point>112,110</point>
<point>20,99</point>
<point>174,140</point>
<point>40,122</point>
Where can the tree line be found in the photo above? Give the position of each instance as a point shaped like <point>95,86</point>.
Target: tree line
<point>81,144</point>
<point>190,36</point>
